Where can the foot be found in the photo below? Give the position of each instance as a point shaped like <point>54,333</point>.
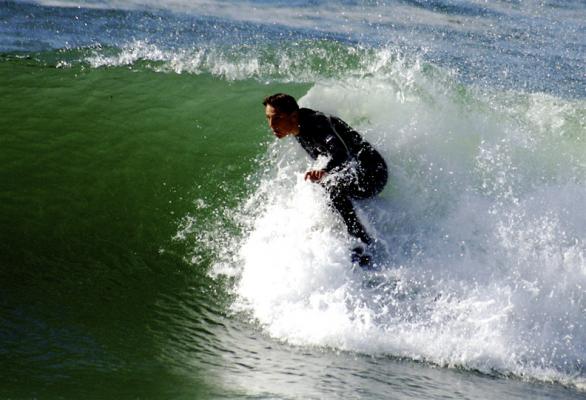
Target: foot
<point>360,257</point>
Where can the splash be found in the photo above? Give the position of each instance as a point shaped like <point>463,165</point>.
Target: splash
<point>302,61</point>
<point>480,232</point>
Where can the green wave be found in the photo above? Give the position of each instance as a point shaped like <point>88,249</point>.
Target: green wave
<point>111,157</point>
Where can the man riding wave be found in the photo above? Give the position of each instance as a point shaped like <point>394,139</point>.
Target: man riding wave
<point>355,170</point>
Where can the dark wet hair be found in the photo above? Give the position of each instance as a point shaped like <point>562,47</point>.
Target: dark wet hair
<point>282,102</point>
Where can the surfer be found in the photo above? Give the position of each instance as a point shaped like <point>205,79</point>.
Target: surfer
<point>354,170</point>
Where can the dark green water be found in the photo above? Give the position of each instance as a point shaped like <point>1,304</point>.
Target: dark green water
<point>97,169</point>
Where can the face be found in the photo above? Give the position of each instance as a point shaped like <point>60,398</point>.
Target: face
<point>281,123</point>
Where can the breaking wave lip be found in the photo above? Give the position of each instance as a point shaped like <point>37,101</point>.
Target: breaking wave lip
<point>304,61</point>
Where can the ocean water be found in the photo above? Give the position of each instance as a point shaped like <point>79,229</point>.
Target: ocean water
<point>158,242</point>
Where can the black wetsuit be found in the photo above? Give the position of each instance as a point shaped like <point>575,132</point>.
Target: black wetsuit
<point>355,169</point>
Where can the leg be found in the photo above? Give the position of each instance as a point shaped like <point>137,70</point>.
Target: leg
<point>342,203</point>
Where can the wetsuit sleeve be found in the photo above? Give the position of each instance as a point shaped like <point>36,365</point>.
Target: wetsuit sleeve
<point>337,150</point>
<point>319,137</point>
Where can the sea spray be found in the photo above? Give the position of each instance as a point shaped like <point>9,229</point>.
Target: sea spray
<point>481,234</point>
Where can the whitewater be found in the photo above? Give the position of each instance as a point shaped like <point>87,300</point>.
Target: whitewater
<point>480,234</point>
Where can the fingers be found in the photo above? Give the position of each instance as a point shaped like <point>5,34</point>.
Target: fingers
<point>315,175</point>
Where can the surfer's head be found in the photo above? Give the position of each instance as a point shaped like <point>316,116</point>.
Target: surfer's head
<point>282,112</point>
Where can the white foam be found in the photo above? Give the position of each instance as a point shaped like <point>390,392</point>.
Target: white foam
<point>266,62</point>
<point>482,240</point>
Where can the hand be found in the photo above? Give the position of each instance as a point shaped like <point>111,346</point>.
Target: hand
<point>315,175</point>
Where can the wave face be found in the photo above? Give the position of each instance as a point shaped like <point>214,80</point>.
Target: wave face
<point>479,110</point>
